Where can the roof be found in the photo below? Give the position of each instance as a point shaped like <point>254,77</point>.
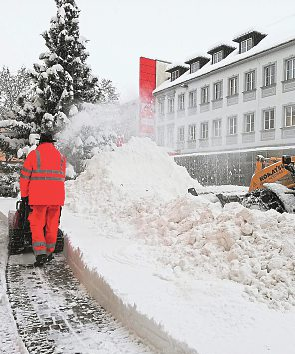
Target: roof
<point>193,59</point>
<point>248,34</point>
<point>278,33</point>
<point>175,66</point>
<point>219,47</point>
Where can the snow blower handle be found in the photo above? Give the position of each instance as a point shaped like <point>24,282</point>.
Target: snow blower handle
<point>23,208</point>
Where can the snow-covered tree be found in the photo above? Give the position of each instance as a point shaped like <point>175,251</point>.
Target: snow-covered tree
<point>11,87</point>
<point>64,79</point>
<point>17,112</point>
<point>60,83</point>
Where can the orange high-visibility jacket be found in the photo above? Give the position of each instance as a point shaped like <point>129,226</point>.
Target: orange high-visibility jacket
<point>43,175</point>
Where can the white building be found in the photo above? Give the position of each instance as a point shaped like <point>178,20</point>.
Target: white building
<point>236,96</point>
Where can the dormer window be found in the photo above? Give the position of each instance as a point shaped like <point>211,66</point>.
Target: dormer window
<point>194,67</point>
<point>217,57</point>
<point>176,70</point>
<point>220,52</point>
<point>248,40</point>
<point>196,63</point>
<point>174,75</point>
<point>246,45</point>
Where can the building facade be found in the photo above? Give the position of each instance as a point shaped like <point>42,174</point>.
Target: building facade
<point>237,96</point>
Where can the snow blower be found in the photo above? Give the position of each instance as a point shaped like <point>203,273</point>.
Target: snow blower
<point>20,237</point>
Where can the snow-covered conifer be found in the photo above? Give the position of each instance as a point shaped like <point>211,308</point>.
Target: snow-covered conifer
<point>17,118</point>
<point>64,79</point>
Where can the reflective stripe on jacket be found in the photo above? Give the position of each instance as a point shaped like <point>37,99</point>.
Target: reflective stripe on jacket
<point>42,176</point>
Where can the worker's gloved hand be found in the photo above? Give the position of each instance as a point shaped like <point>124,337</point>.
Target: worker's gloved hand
<point>25,200</point>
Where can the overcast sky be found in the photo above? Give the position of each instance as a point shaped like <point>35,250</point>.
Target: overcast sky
<point>120,31</point>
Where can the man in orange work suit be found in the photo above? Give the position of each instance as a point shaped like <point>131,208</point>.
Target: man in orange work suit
<point>42,187</point>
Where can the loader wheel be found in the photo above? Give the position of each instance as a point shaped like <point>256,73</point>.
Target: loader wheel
<point>263,199</point>
<point>59,242</point>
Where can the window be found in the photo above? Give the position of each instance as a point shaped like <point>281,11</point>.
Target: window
<point>217,128</point>
<point>192,132</point>
<point>250,83</point>
<point>170,105</point>
<point>233,86</point>
<point>204,130</point>
<point>170,135</point>
<point>161,107</point>
<point>232,125</point>
<point>217,57</point>
<point>205,94</point>
<point>246,45</point>
<point>249,122</point>
<point>180,134</point>
<point>195,66</point>
<point>269,119</point>
<point>290,69</point>
<point>161,141</point>
<point>290,116</point>
<point>217,90</point>
<point>181,102</point>
<point>174,75</point>
<point>192,99</point>
<point>269,75</point>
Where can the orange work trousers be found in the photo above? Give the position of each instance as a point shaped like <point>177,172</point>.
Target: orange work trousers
<point>44,218</point>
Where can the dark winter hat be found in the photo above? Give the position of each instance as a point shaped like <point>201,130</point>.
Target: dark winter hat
<point>46,138</point>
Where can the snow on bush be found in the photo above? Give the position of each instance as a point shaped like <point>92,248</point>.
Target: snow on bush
<point>140,192</point>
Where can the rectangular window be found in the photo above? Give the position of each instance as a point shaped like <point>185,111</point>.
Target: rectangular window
<point>181,102</point>
<point>205,94</point>
<point>249,122</point>
<point>217,90</point>
<point>170,135</point>
<point>217,128</point>
<point>217,57</point>
<point>246,45</point>
<point>269,75</point>
<point>170,105</point>
<point>250,83</point>
<point>233,86</point>
<point>180,134</point>
<point>204,130</point>
<point>161,107</point>
<point>192,98</point>
<point>161,141</point>
<point>232,125</point>
<point>174,75</point>
<point>195,66</point>
<point>192,132</point>
<point>290,116</point>
<point>269,119</point>
<point>290,69</point>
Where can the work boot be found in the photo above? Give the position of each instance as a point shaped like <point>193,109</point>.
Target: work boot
<point>40,260</point>
<point>49,258</point>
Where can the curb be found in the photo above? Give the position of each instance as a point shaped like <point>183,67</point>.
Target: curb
<point>128,315</point>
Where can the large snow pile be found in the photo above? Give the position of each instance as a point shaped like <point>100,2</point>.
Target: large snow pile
<point>135,171</point>
<point>139,192</point>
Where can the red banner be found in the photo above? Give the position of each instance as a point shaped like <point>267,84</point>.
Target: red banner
<point>147,84</point>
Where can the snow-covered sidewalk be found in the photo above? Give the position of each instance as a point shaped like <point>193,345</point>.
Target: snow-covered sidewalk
<point>9,340</point>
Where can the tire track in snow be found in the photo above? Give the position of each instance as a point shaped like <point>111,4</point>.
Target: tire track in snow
<point>54,314</point>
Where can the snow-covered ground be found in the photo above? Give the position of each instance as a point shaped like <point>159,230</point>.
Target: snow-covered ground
<point>9,340</point>
<point>221,280</point>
